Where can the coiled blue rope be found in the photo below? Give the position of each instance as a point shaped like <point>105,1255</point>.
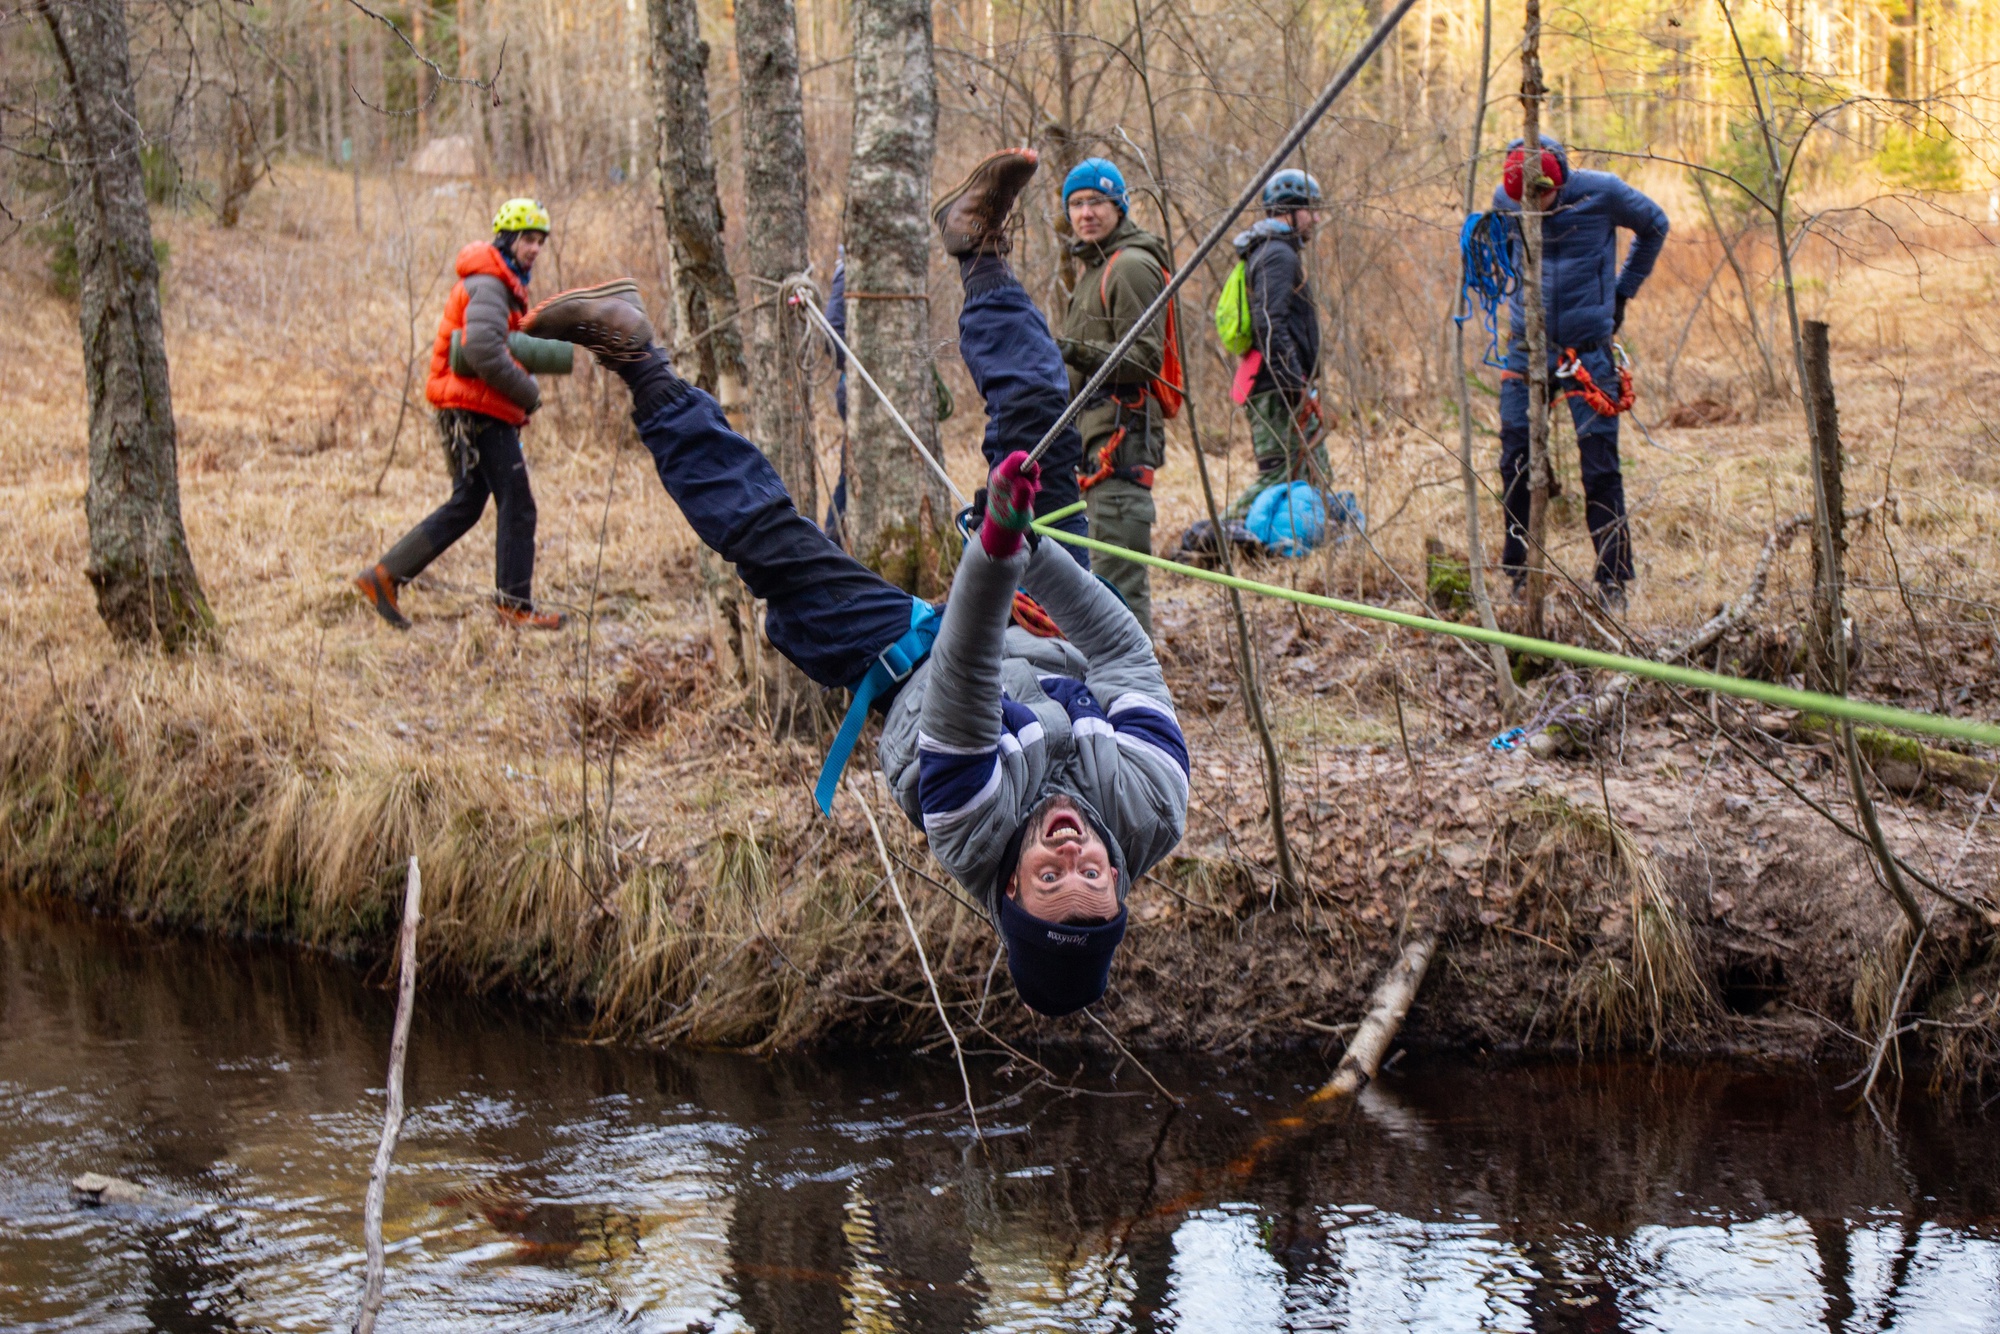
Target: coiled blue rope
<point>1487,248</point>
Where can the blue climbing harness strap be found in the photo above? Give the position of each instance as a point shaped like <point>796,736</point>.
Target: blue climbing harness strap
<point>895,664</point>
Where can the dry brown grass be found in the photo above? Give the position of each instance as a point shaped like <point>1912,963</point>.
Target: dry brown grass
<point>276,784</point>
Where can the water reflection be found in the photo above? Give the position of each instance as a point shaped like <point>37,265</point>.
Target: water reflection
<point>546,1184</point>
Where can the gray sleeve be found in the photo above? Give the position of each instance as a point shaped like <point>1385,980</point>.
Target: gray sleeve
<point>962,697</point>
<point>485,343</point>
<point>1092,618</point>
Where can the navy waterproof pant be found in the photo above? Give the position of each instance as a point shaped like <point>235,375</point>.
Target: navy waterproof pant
<point>1019,371</point>
<point>1597,458</point>
<point>827,612</point>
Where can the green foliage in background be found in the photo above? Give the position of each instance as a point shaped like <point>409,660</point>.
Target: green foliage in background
<point>1919,159</point>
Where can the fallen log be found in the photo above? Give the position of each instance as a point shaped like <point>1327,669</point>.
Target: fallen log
<point>1386,1009</point>
<point>1902,763</point>
<point>1569,738</point>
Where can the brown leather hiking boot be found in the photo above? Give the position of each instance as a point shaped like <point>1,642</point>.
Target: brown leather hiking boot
<point>973,217</point>
<point>379,587</point>
<point>606,319</point>
<point>529,618</point>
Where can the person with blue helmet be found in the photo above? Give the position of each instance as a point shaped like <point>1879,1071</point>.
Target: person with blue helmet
<point>1584,294</point>
<point>1283,400</point>
<point>1122,268</point>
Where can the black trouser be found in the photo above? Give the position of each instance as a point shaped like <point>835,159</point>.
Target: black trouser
<point>1597,460</point>
<point>497,469</point>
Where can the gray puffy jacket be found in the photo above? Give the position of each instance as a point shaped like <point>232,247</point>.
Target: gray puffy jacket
<point>996,720</point>
<point>484,345</point>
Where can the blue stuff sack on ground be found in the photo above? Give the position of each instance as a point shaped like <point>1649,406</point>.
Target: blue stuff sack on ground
<point>1292,520</point>
<point>1289,520</point>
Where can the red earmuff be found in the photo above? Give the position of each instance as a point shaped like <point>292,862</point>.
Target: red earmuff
<point>1511,180</point>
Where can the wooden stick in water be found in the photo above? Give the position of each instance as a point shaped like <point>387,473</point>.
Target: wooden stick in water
<point>392,1116</point>
<point>1386,1009</point>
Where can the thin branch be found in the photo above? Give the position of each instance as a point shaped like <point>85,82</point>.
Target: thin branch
<point>440,78</point>
<point>923,961</point>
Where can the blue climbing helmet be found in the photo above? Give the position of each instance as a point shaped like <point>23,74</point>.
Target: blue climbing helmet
<point>1101,175</point>
<point>1291,188</point>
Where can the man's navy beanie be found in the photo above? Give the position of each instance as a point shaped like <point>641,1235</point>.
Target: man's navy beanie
<point>1058,969</point>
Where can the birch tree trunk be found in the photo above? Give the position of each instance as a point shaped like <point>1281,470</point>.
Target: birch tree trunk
<point>899,511</point>
<point>774,192</point>
<point>704,293</point>
<point>1533,181</point>
<point>139,560</point>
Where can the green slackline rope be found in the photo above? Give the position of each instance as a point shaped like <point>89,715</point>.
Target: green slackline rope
<point>1806,701</point>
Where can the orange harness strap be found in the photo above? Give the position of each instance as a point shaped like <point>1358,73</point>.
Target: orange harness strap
<point>1142,475</point>
<point>1571,368</point>
<point>1104,469</point>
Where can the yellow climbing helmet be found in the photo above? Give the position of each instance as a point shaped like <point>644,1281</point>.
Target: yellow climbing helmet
<point>522,215</point>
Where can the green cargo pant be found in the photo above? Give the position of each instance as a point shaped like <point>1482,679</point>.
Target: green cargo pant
<point>1122,514</point>
<point>1282,453</point>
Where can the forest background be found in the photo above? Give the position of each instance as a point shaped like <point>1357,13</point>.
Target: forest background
<point>617,819</point>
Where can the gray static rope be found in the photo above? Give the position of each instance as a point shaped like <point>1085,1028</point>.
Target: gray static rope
<point>1291,141</point>
<point>800,292</point>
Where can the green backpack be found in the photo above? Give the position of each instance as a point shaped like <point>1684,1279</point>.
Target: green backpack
<point>1232,313</point>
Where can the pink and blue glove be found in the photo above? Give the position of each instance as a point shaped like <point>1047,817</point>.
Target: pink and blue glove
<point>1011,489</point>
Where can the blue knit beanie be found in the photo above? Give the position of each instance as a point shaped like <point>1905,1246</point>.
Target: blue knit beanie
<point>1096,173</point>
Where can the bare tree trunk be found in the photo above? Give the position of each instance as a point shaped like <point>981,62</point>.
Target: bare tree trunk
<point>774,192</point>
<point>474,106</point>
<point>139,561</point>
<point>1532,181</point>
<point>898,510</point>
<point>420,38</point>
<point>1821,650</point>
<point>703,289</point>
<point>242,159</point>
<point>1475,565</point>
<point>1829,561</point>
<point>1062,135</point>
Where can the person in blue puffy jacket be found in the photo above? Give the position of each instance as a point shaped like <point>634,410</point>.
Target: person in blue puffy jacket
<point>1584,293</point>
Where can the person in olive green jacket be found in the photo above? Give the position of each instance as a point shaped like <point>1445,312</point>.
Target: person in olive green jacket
<point>1123,268</point>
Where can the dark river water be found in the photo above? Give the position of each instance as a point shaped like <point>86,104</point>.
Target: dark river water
<point>547,1184</point>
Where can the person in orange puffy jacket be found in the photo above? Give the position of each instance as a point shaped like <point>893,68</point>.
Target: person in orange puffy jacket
<point>480,416</point>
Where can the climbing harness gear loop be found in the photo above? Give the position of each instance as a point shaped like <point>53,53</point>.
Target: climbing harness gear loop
<point>1571,368</point>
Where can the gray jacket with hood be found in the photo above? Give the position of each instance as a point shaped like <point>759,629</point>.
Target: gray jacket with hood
<point>997,720</point>
<point>484,343</point>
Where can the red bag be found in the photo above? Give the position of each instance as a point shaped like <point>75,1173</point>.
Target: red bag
<point>1246,375</point>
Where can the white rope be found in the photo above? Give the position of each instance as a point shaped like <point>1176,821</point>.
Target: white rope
<point>800,293</point>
